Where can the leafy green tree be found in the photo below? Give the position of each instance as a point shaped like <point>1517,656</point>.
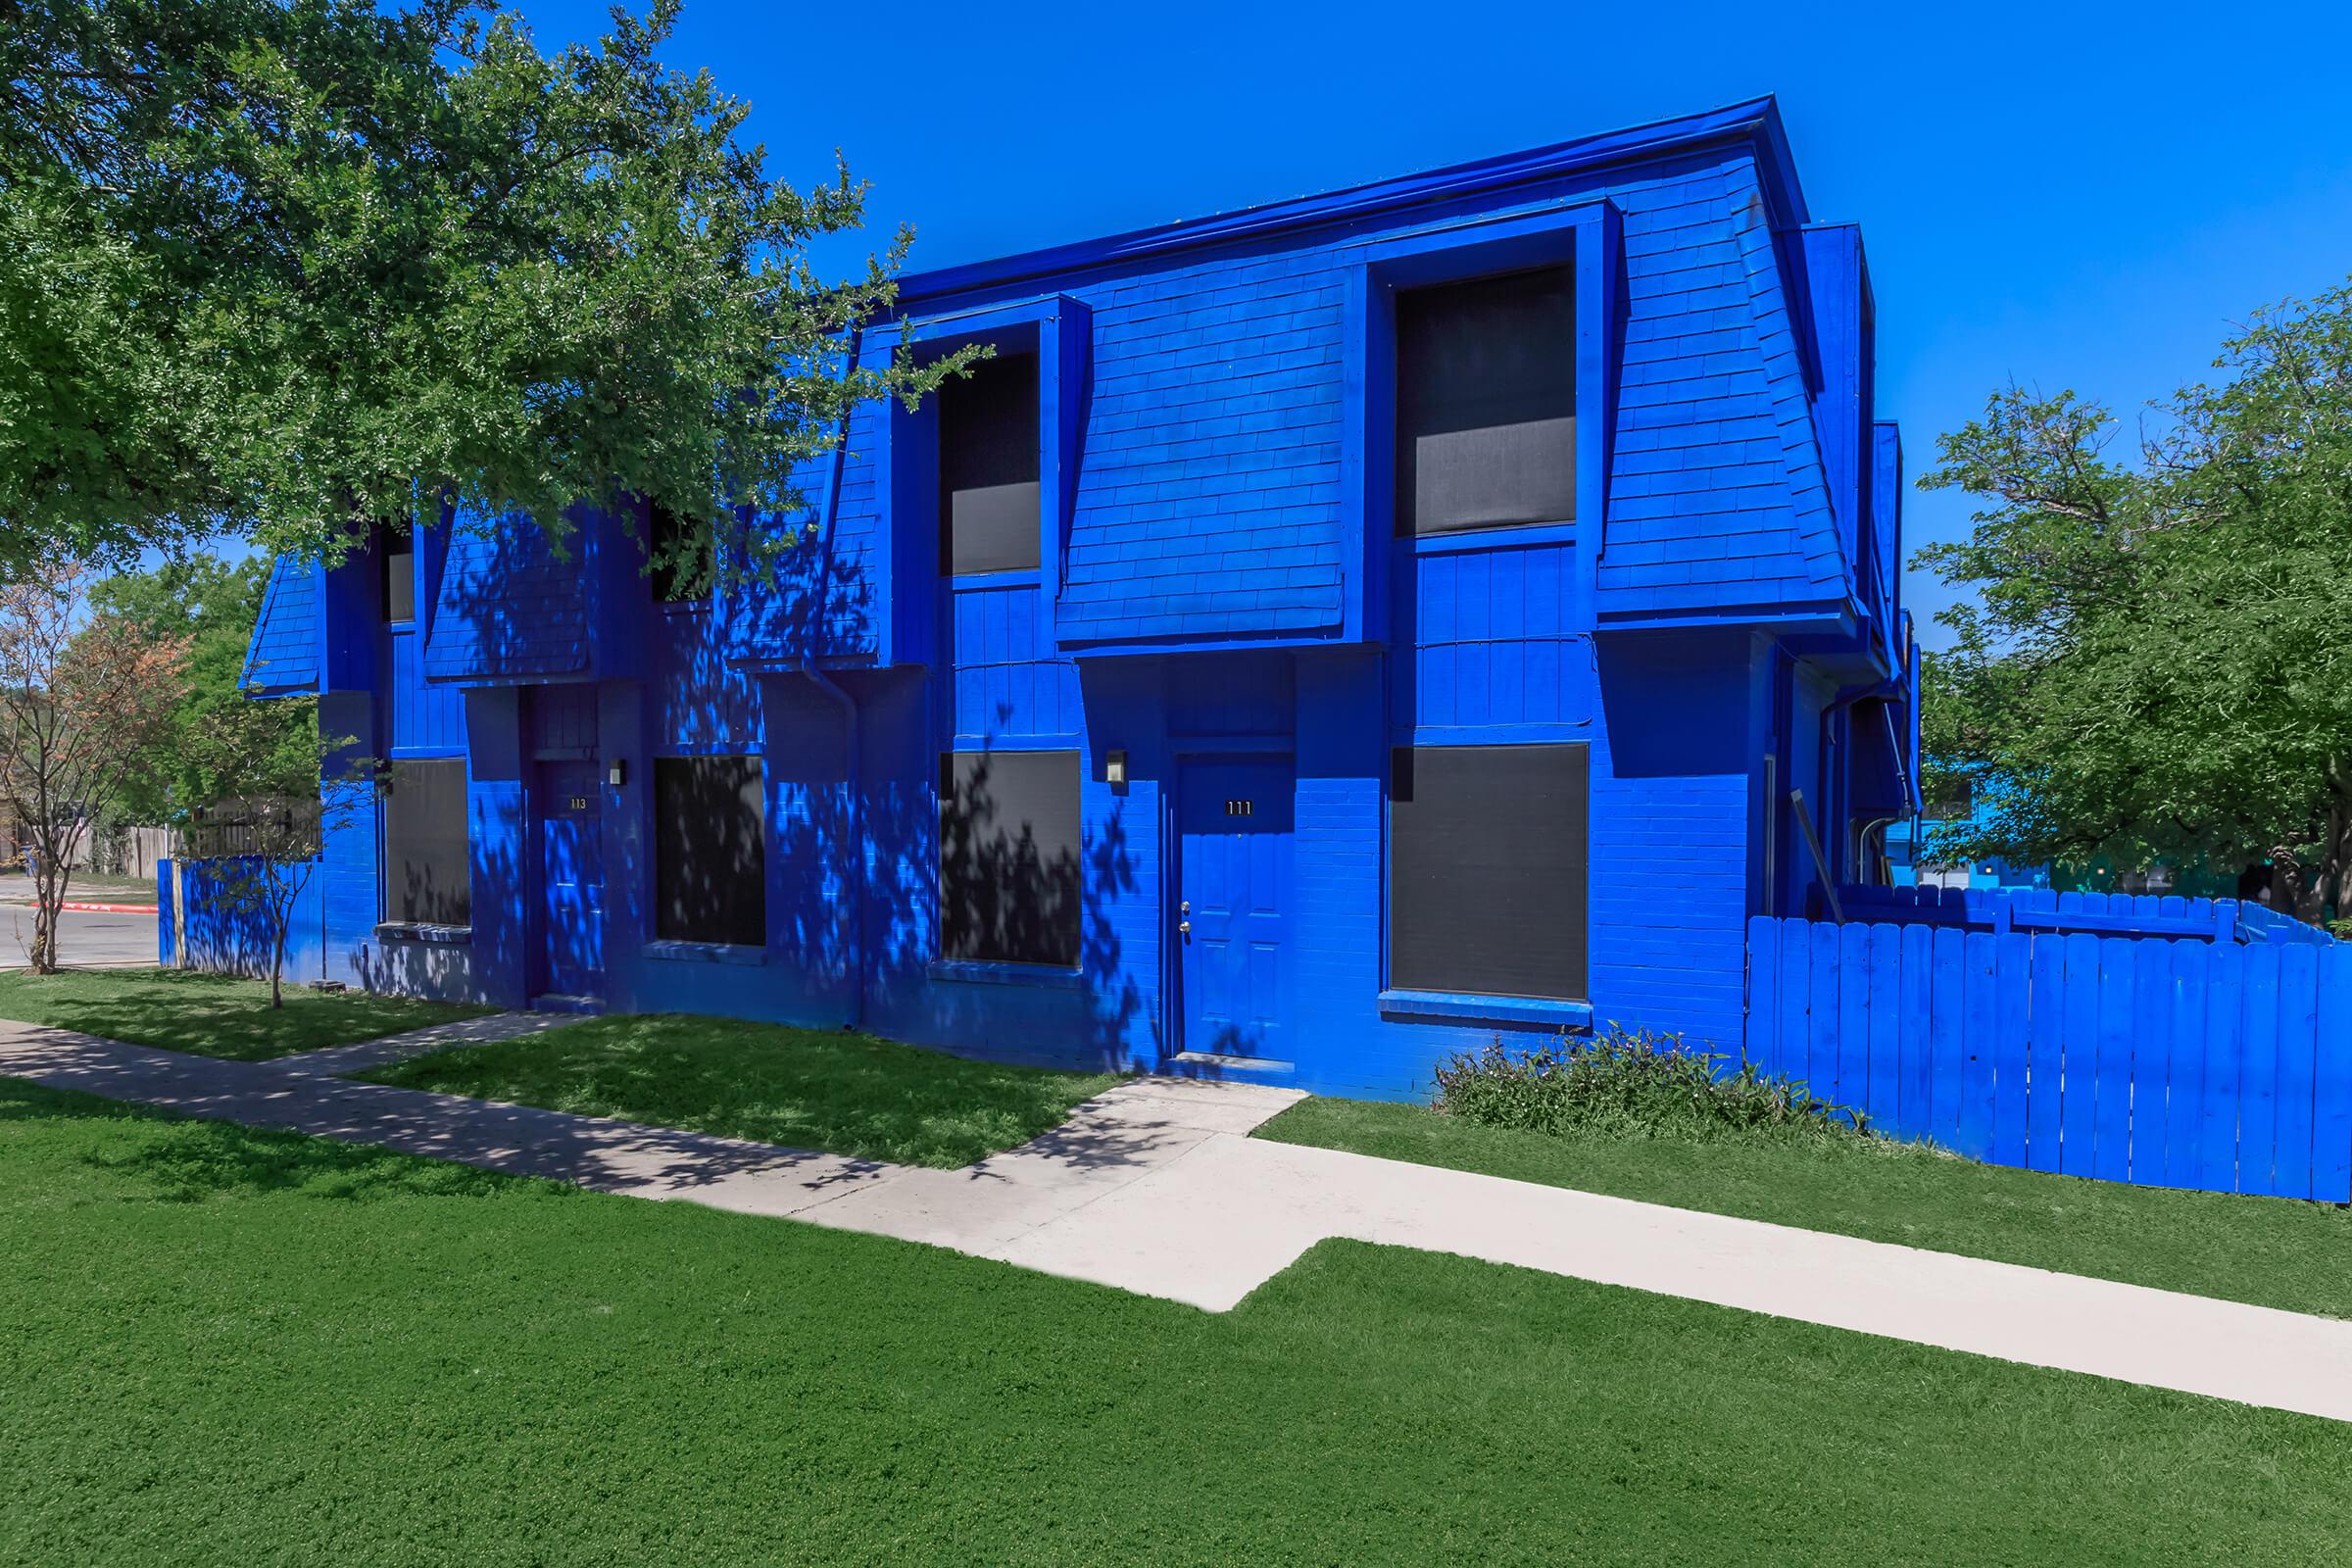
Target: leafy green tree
<point>211,605</point>
<point>2158,659</point>
<point>284,266</point>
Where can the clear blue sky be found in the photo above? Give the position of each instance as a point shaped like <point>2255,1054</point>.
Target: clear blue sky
<point>2067,195</point>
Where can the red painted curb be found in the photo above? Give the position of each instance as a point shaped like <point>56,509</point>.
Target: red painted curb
<point>111,909</point>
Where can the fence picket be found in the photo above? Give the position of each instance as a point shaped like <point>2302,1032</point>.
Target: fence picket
<point>1972,1127</point>
<point>2332,1088</point>
<point>2079,1055</point>
<point>2184,1066</point>
<point>1760,1044</point>
<point>1912,1118</point>
<point>1853,1015</point>
<point>1797,977</point>
<point>2258,1072</point>
<point>1821,1053</point>
<point>1887,1035</point>
<point>2012,997</point>
<point>2111,1152</point>
<point>2045,1052</point>
<point>2298,1048</point>
<point>2225,1052</point>
<point>2150,1028</point>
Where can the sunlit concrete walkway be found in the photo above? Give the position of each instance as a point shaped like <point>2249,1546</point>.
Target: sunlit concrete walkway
<point>1154,1187</point>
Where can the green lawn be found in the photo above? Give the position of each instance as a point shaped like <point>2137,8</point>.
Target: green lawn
<point>2271,1251</point>
<point>807,1088</point>
<point>211,1014</point>
<point>227,1345</point>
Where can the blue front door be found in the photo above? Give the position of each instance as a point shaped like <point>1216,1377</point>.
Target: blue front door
<point>571,876</point>
<point>1233,831</point>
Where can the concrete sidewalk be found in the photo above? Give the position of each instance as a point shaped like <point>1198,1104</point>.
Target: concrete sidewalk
<point>1154,1187</point>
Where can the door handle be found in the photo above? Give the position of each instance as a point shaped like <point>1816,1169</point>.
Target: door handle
<point>1184,928</point>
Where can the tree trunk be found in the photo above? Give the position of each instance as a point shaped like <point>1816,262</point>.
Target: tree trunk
<point>277,962</point>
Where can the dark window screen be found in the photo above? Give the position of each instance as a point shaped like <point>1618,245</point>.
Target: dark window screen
<point>1486,403</point>
<point>400,577</point>
<point>988,468</point>
<point>710,850</point>
<point>427,878</point>
<point>1008,857</point>
<point>1487,870</point>
<point>676,575</point>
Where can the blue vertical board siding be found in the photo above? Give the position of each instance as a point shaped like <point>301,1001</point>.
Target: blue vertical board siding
<point>1972,1133</point>
<point>2184,1067</point>
<point>2331,1090</point>
<point>2225,1046</point>
<point>1883,1100</point>
<point>2111,1130</point>
<point>1947,1039</point>
<point>1853,1015</point>
<point>2013,995</point>
<point>2045,1051</point>
<point>2257,1082</point>
<point>1914,1114</point>
<point>2298,1077</point>
<point>2078,1113</point>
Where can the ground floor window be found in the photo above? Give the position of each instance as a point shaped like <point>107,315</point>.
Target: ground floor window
<point>427,880</point>
<point>710,850</point>
<point>1488,869</point>
<point>1008,857</point>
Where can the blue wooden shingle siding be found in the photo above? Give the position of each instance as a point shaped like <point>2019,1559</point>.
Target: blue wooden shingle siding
<point>282,658</point>
<point>1217,581</point>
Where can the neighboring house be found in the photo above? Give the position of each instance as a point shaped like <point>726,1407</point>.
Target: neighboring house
<point>1324,636</point>
<point>1912,861</point>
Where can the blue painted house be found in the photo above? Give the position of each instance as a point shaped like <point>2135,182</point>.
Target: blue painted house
<point>1322,637</point>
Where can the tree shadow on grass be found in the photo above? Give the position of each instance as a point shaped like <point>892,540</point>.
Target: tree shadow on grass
<point>165,1158</point>
<point>210,1015</point>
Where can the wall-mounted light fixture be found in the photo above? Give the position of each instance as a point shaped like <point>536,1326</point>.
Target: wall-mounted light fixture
<point>1114,769</point>
<point>618,773</point>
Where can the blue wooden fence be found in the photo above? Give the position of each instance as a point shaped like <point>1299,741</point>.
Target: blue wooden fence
<point>2167,1062</point>
<point>2138,914</point>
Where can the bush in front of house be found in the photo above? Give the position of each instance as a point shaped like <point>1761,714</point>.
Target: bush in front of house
<point>1633,1084</point>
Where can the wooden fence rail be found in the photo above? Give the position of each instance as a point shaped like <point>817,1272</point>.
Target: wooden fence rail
<point>2172,1063</point>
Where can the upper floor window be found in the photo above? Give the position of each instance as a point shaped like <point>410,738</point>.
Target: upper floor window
<point>681,549</point>
<point>396,551</point>
<point>989,492</point>
<point>1486,403</point>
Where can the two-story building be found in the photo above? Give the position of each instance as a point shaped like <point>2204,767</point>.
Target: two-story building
<point>1323,636</point>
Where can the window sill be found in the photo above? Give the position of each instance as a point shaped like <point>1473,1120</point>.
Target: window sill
<point>1488,1009</point>
<point>707,951</point>
<point>990,972</point>
<point>411,931</point>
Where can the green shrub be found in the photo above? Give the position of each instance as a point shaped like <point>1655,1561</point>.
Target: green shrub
<point>1633,1084</point>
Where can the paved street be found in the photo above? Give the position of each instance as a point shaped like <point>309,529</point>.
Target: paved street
<point>84,940</point>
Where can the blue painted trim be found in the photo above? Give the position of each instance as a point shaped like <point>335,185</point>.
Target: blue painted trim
<point>1756,121</point>
<point>971,971</point>
<point>1059,330</point>
<point>1587,234</point>
<point>1471,540</point>
<point>1505,1009</point>
<point>1107,649</point>
<point>705,952</point>
<point>438,935</point>
<point>1574,732</point>
<point>1222,745</point>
